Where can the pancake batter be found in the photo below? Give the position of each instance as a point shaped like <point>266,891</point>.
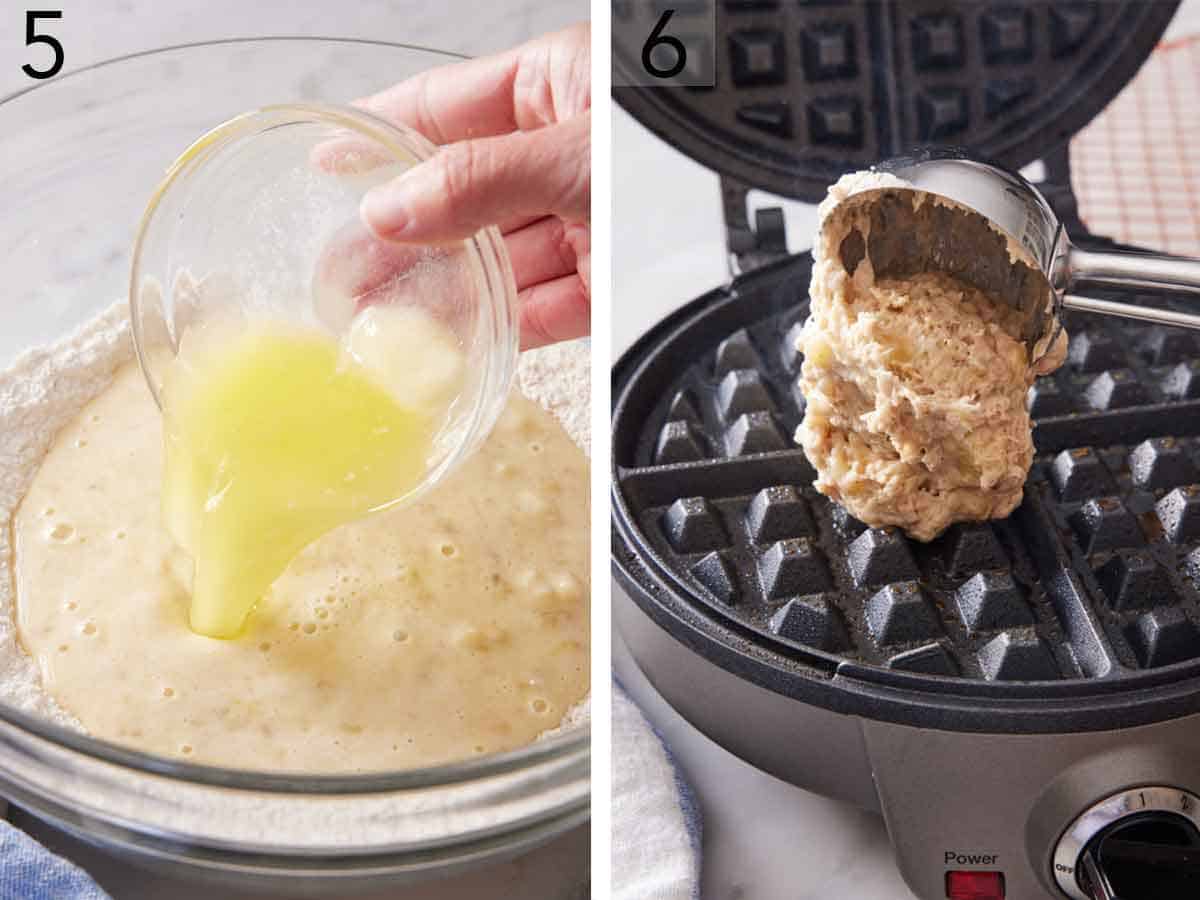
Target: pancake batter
<point>915,390</point>
<point>454,626</point>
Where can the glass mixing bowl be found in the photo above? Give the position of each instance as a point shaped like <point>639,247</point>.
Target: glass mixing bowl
<point>79,156</point>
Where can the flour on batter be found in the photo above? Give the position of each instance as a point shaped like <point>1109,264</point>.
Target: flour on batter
<point>455,626</point>
<point>915,389</point>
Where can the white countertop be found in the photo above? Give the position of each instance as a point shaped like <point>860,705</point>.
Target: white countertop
<point>94,30</point>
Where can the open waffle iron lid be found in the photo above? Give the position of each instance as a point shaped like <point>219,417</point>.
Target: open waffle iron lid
<point>1080,611</point>
<point>806,91</point>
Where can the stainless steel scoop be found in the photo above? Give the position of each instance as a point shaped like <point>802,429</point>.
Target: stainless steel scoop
<point>999,234</point>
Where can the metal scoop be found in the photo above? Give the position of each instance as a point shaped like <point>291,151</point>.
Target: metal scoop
<point>999,234</point>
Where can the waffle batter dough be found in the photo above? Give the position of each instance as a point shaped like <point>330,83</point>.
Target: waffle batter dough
<point>915,391</point>
<point>454,626</point>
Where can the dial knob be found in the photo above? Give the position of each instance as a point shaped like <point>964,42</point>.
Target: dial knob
<point>1140,844</point>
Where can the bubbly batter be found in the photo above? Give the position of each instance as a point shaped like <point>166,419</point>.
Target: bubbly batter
<point>274,436</point>
<point>452,626</point>
<point>915,392</point>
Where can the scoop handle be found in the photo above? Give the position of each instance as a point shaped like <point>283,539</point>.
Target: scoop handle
<point>1178,274</point>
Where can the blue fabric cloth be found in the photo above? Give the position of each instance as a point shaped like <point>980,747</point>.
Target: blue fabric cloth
<point>28,871</point>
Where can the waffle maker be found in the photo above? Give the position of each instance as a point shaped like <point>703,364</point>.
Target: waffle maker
<point>1019,699</point>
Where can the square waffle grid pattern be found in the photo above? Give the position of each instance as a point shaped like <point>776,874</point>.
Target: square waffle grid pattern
<point>823,88</point>
<point>790,71</point>
<point>980,65</point>
<point>1097,572</point>
<point>1126,506</point>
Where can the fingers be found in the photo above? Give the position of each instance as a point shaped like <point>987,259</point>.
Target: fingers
<point>540,252</point>
<point>354,266</point>
<point>452,103</point>
<point>515,223</point>
<point>356,270</point>
<point>516,153</point>
<point>349,155</point>
<point>544,81</point>
<point>580,239</point>
<point>472,184</point>
<point>554,311</point>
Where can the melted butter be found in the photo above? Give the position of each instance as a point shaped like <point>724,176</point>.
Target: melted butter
<point>433,631</point>
<point>274,437</point>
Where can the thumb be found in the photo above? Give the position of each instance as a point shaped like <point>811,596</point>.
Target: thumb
<point>472,184</point>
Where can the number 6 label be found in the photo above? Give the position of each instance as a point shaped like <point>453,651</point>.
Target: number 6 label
<point>658,39</point>
<point>660,43</point>
<point>33,37</point>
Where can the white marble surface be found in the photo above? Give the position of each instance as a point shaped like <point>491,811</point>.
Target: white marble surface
<point>763,839</point>
<point>94,30</point>
<point>91,31</point>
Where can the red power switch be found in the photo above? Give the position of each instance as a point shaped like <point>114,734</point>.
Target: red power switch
<point>975,885</point>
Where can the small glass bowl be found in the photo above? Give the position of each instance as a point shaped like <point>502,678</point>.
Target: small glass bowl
<point>259,218</point>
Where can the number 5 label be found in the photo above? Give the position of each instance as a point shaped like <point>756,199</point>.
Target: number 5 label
<point>33,37</point>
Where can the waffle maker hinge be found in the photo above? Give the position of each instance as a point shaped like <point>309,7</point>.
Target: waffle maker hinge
<point>750,247</point>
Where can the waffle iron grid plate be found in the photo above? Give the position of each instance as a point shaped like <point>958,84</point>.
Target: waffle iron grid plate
<point>1095,576</point>
<point>806,91</point>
